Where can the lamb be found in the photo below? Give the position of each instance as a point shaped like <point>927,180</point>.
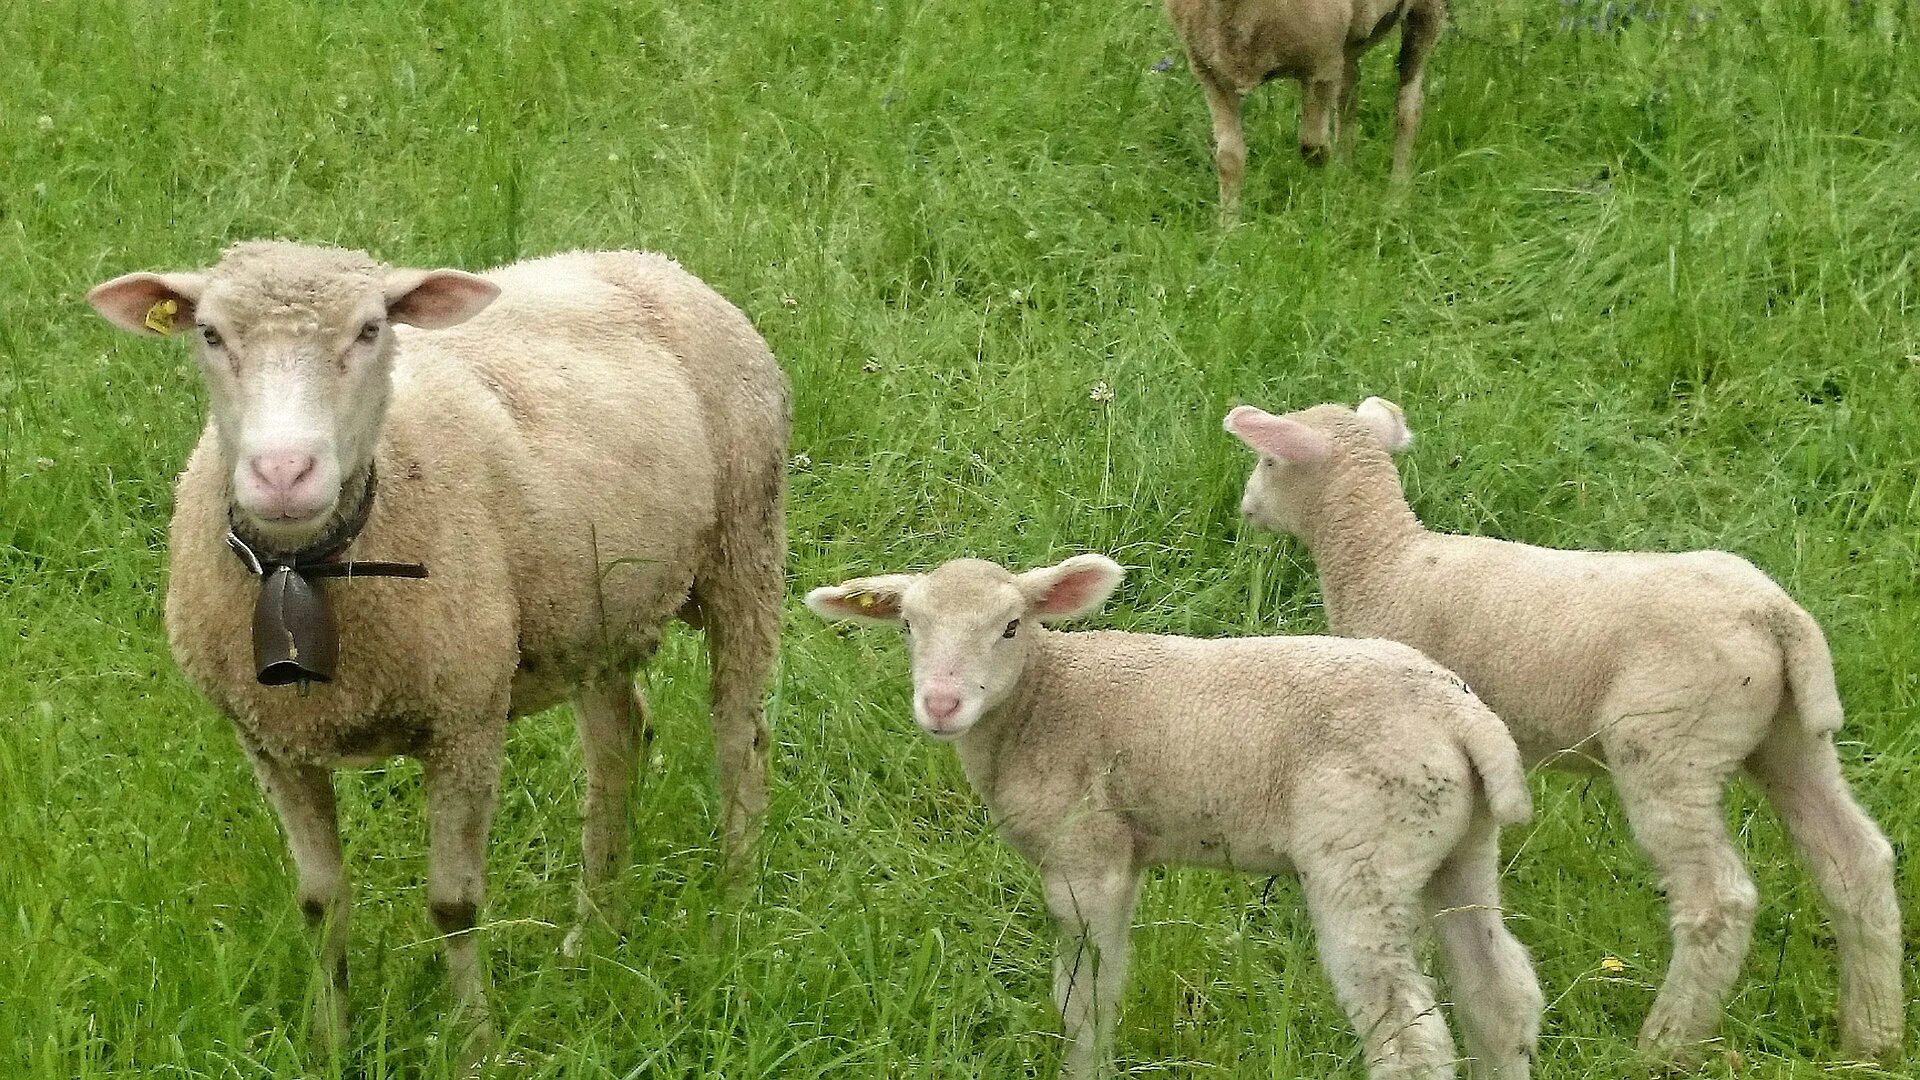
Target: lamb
<point>576,448</point>
<point>1674,670</point>
<point>1235,45</point>
<point>1363,764</point>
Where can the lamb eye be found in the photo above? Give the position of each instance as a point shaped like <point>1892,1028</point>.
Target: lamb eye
<point>1012,629</point>
<point>211,336</point>
<point>906,627</point>
<point>371,331</point>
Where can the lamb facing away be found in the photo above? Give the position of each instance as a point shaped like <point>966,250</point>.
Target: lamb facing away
<point>1235,45</point>
<point>576,448</point>
<point>1362,764</point>
<point>1675,670</point>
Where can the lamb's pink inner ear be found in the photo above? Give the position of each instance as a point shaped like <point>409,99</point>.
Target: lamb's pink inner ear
<point>138,303</point>
<point>437,299</point>
<point>1076,587</point>
<point>1278,436</point>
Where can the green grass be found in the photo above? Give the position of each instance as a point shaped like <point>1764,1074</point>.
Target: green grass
<point>1654,288</point>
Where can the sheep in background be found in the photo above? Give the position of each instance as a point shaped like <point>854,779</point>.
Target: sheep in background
<point>1235,45</point>
<point>1362,764</point>
<point>576,448</point>
<point>1675,670</point>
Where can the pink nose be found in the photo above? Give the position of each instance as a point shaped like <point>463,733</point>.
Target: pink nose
<point>940,706</point>
<point>281,473</point>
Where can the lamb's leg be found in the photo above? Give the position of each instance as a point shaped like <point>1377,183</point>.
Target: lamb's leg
<point>302,795</point>
<point>1093,912</point>
<point>1851,861</point>
<point>1316,116</point>
<point>1496,996</point>
<point>740,608</point>
<point>1348,128</point>
<point>1229,143</point>
<point>611,716</point>
<point>1673,801</point>
<point>1368,940</point>
<point>1419,31</point>
<point>463,786</point>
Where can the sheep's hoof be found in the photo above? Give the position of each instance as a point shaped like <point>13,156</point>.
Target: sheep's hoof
<point>1669,1050</point>
<point>477,1046</point>
<point>1878,1047</point>
<point>570,945</point>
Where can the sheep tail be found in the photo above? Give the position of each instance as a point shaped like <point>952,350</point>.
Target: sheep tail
<point>1495,758</point>
<point>1809,664</point>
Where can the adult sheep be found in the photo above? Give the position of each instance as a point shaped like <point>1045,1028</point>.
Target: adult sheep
<point>576,449</point>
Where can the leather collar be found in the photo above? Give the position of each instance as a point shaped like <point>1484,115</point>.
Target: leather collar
<point>294,638</point>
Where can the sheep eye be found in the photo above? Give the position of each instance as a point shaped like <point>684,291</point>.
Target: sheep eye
<point>209,335</point>
<point>1012,629</point>
<point>906,627</point>
<point>371,331</point>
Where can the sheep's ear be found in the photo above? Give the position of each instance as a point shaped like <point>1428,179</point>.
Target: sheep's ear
<point>868,599</point>
<point>148,304</point>
<point>1387,422</point>
<point>1278,436</point>
<point>437,299</point>
<point>1073,588</point>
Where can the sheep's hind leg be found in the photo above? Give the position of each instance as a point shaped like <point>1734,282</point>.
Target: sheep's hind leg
<point>1673,802</point>
<point>1497,999</point>
<point>1093,913</point>
<point>1346,131</point>
<point>1419,32</point>
<point>1850,860</point>
<point>302,796</point>
<point>1367,936</point>
<point>611,714</point>
<point>463,786</point>
<point>739,605</point>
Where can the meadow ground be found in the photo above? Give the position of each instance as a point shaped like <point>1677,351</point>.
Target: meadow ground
<point>1655,287</point>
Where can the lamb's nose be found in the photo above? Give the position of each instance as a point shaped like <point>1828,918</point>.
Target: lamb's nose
<point>940,706</point>
<point>281,473</point>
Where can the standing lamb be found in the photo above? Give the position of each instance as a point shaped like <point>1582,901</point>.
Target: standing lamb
<point>1676,670</point>
<point>575,448</point>
<point>1363,764</point>
<point>1235,45</point>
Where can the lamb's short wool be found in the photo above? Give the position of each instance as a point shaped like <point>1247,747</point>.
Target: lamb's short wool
<point>577,449</point>
<point>1234,46</point>
<point>1362,765</point>
<point>1674,671</point>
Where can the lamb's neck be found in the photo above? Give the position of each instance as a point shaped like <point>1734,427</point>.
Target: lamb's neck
<point>998,730</point>
<point>1364,526</point>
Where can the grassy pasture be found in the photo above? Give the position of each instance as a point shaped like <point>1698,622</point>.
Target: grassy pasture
<point>1655,287</point>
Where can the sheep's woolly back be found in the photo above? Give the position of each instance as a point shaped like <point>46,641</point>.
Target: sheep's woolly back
<point>1234,751</point>
<point>1562,644</point>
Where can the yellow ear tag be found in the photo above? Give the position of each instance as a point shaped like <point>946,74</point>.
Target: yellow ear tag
<point>867,600</point>
<point>160,316</point>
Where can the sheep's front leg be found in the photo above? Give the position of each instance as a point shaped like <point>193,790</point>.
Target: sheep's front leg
<point>1419,32</point>
<point>1316,117</point>
<point>1093,912</point>
<point>462,788</point>
<point>1229,143</point>
<point>302,796</point>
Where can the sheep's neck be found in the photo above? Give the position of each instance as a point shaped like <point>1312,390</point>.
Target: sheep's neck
<point>1365,523</point>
